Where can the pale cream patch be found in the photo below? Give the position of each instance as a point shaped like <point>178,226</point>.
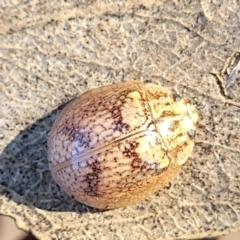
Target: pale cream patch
<point>133,111</point>
<point>180,107</point>
<point>124,145</point>
<point>164,162</point>
<point>146,143</point>
<point>187,124</point>
<point>135,95</point>
<point>129,115</point>
<point>151,151</point>
<point>182,156</point>
<point>164,127</point>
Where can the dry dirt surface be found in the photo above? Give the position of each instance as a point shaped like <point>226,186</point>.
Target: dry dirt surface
<point>52,51</point>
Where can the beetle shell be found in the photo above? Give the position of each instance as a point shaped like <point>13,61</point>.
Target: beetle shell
<point>117,144</point>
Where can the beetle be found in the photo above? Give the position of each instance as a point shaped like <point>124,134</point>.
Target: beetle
<point>115,145</point>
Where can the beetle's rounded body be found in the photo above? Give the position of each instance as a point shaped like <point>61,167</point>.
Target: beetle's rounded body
<point>115,145</point>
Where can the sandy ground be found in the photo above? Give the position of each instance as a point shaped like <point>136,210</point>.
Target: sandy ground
<point>9,231</point>
<point>52,51</point>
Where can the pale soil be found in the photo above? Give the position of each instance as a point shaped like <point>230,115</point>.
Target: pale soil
<point>52,51</point>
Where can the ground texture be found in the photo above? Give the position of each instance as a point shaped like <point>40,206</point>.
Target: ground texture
<point>52,51</point>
